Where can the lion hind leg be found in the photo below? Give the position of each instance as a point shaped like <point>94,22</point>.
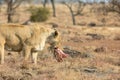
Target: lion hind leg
<point>2,53</point>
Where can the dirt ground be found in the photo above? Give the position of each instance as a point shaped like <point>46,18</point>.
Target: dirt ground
<point>94,52</point>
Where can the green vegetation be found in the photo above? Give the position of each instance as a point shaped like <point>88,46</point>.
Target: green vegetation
<point>39,14</point>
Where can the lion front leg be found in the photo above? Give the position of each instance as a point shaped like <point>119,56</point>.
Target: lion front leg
<point>34,57</point>
<point>27,52</point>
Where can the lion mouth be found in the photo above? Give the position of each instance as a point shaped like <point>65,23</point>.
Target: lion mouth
<point>59,54</point>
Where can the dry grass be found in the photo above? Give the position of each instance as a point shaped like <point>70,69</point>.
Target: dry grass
<point>87,65</point>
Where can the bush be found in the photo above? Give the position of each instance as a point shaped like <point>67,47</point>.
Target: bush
<point>39,14</point>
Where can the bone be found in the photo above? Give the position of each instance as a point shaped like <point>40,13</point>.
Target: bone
<point>59,54</point>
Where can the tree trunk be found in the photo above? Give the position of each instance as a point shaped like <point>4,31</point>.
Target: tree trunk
<point>45,2</point>
<point>53,6</point>
<point>9,18</point>
<point>9,11</point>
<point>73,17</point>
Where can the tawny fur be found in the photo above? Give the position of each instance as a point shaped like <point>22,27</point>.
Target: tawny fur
<point>27,38</point>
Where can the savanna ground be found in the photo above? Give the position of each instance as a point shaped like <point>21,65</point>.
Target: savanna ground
<point>94,51</point>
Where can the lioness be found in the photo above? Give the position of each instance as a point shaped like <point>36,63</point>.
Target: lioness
<point>30,39</point>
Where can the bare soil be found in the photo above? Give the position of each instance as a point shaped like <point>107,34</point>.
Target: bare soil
<point>94,51</point>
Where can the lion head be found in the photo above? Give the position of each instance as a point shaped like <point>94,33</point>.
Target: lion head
<point>55,44</point>
<point>54,40</point>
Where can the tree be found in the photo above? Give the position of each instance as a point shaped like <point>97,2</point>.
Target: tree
<point>45,2</point>
<point>0,5</point>
<point>80,7</point>
<point>53,6</point>
<point>12,5</point>
<point>114,6</point>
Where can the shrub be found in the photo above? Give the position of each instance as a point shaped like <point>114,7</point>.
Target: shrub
<point>39,14</point>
